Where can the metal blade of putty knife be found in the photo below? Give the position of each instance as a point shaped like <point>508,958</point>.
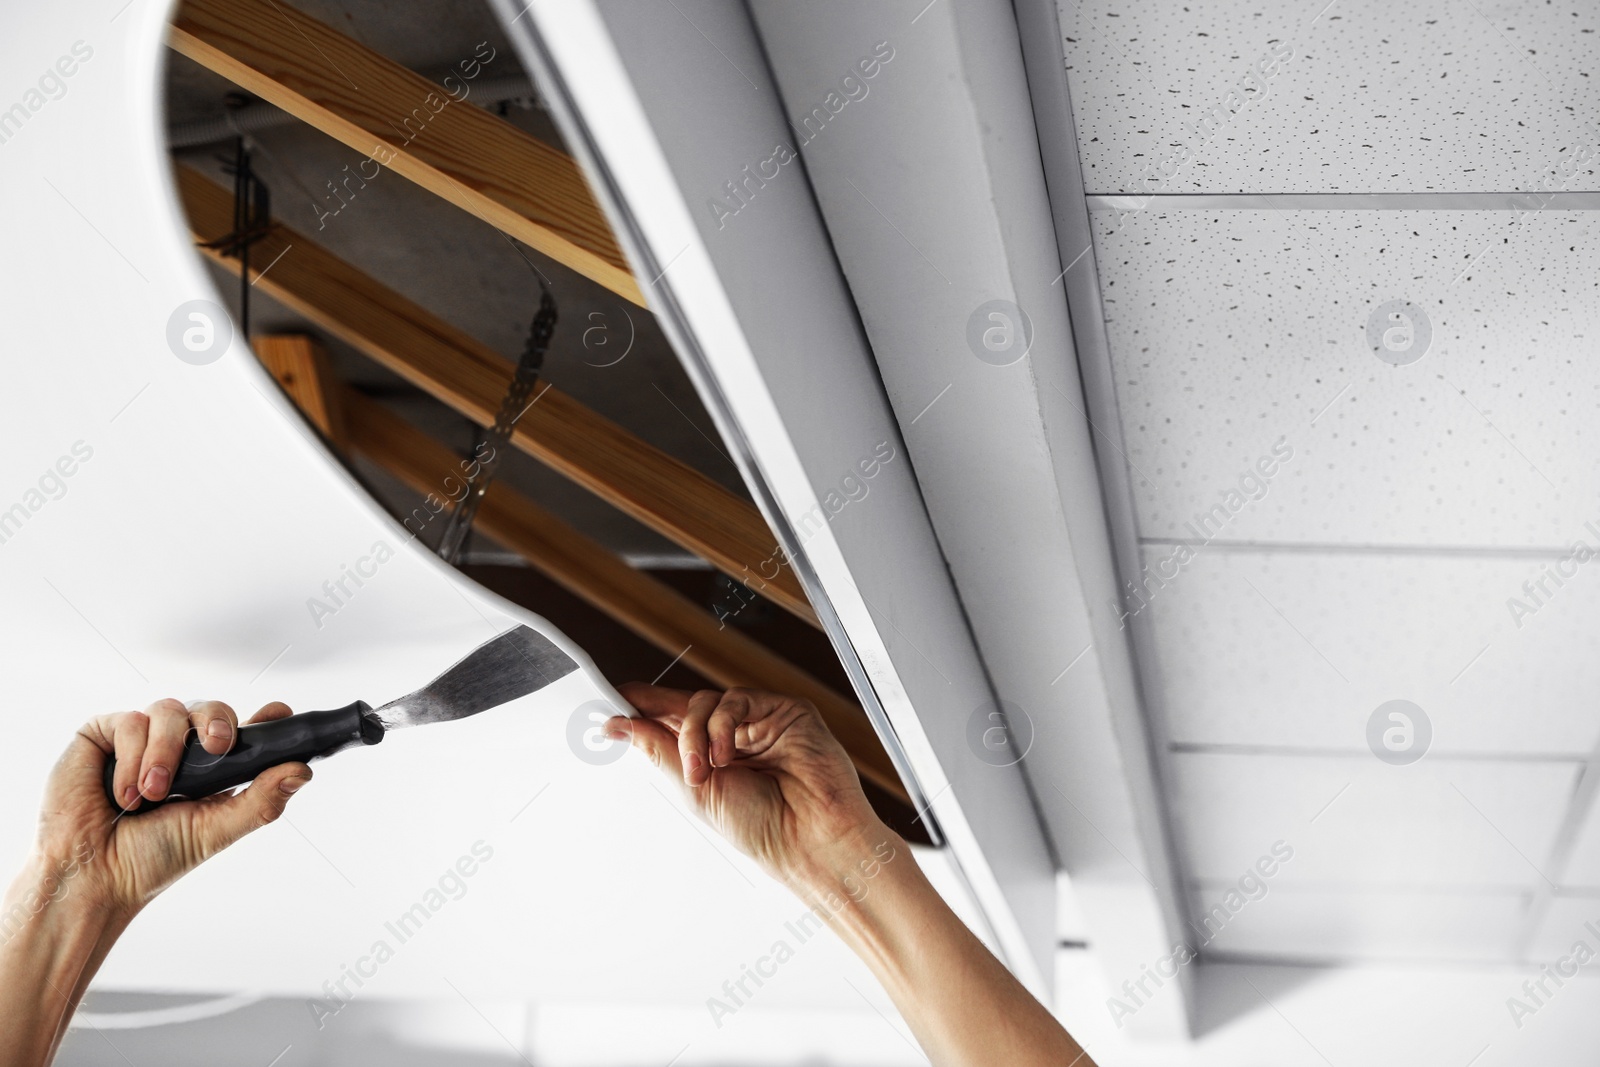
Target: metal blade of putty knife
<point>514,664</point>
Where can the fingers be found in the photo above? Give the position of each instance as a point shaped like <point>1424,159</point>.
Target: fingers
<point>275,710</point>
<point>149,745</point>
<point>733,709</point>
<point>224,820</point>
<point>707,723</point>
<point>215,724</point>
<point>163,748</point>
<point>694,739</point>
<point>127,741</point>
<point>651,738</point>
<point>657,702</point>
<point>101,730</point>
<point>85,757</point>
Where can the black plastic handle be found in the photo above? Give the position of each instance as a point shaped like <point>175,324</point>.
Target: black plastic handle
<point>265,744</point>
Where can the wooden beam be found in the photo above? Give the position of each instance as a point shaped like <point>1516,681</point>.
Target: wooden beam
<point>648,607</point>
<point>665,494</point>
<point>301,366</point>
<point>429,133</point>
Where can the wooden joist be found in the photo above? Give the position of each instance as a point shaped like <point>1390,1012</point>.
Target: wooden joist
<point>537,195</point>
<point>301,367</point>
<point>665,494</point>
<point>429,133</point>
<point>648,607</point>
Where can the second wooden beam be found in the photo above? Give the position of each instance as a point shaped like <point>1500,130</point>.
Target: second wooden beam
<point>658,490</point>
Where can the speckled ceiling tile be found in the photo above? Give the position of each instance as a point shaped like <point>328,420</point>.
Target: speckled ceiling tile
<point>1233,333</point>
<point>1363,825</point>
<point>1374,97</point>
<point>1296,650</point>
<point>1332,923</point>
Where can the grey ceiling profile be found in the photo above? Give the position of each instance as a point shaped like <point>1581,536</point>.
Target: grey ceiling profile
<point>929,178</point>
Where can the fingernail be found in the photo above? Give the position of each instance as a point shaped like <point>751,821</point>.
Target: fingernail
<point>221,729</point>
<point>130,796</point>
<point>289,786</point>
<point>617,733</point>
<point>155,780</point>
<point>691,767</point>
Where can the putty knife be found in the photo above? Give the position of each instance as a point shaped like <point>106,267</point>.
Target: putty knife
<point>514,664</point>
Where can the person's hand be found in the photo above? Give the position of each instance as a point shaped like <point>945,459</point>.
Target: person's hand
<point>124,860</point>
<point>762,769</point>
<point>93,866</point>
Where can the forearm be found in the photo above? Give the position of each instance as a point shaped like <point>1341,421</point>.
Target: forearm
<point>52,941</point>
<point>965,1008</point>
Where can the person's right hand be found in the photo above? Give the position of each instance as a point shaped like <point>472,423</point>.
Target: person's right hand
<point>93,865</point>
<point>123,859</point>
<point>762,769</point>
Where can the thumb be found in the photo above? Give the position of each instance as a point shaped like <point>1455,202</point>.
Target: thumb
<point>227,819</point>
<point>651,738</point>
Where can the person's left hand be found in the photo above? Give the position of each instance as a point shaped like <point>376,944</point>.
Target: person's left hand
<point>126,859</point>
<point>765,771</point>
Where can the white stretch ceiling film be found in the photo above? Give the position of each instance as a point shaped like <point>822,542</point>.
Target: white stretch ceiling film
<point>1365,96</point>
<point>1360,438</point>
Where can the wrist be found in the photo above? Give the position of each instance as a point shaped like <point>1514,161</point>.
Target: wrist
<point>52,887</point>
<point>869,889</point>
<point>846,865</point>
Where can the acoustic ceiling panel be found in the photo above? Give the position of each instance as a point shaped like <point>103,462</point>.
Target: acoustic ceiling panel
<point>1582,869</point>
<point>1568,920</point>
<point>1441,826</point>
<point>1318,924</point>
<point>1240,341</point>
<point>1299,649</point>
<point>1363,96</point>
<point>1355,420</point>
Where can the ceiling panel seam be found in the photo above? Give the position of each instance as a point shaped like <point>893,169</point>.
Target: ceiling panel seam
<point>1579,808</point>
<point>1511,200</point>
<point>1226,748</point>
<point>1330,548</point>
